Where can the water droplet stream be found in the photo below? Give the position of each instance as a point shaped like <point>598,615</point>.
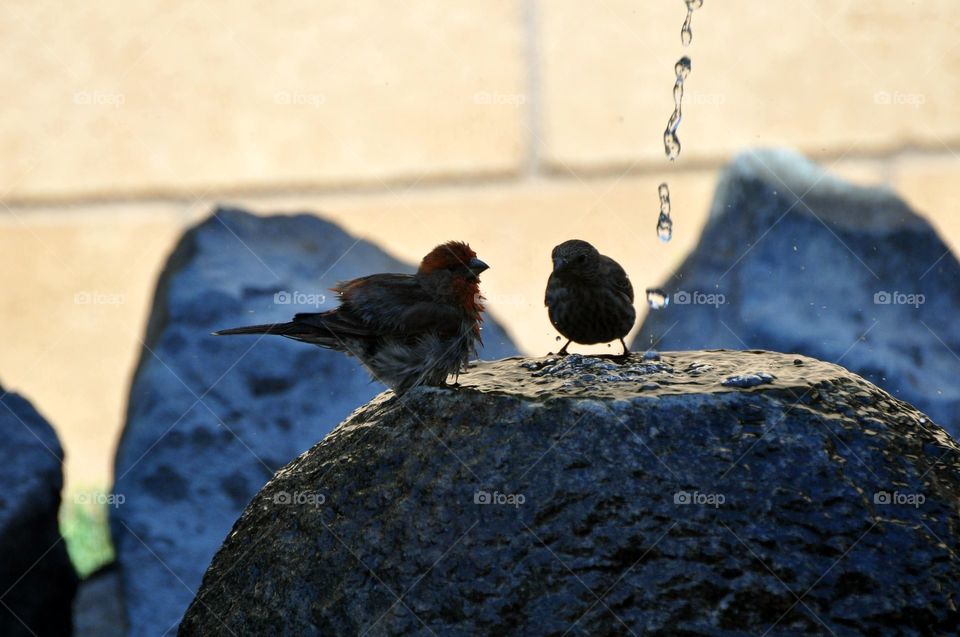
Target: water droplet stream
<point>671,143</point>
<point>664,223</point>
<point>657,298</point>
<point>686,33</point>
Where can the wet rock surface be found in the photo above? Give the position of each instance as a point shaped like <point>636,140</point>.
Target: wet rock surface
<point>794,260</point>
<point>589,496</point>
<point>210,419</point>
<point>37,580</point>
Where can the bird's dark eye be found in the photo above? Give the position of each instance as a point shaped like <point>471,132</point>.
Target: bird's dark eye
<point>581,258</point>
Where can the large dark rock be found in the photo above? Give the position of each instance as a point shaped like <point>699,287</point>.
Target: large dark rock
<point>720,493</point>
<point>37,580</point>
<point>210,419</point>
<point>796,260</point>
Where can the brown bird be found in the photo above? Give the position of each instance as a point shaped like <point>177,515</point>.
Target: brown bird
<point>406,329</point>
<point>589,297</point>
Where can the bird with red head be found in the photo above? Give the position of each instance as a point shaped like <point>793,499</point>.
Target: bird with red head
<point>406,329</point>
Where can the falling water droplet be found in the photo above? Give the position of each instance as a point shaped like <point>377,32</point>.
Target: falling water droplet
<point>671,143</point>
<point>665,228</point>
<point>663,190</point>
<point>657,298</point>
<point>664,223</point>
<point>686,33</point>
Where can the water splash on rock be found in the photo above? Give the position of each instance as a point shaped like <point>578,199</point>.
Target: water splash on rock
<point>577,370</point>
<point>748,380</point>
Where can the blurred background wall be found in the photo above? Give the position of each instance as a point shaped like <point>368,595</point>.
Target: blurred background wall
<point>513,124</point>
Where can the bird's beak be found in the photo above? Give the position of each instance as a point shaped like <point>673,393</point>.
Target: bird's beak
<point>477,266</point>
<point>558,263</point>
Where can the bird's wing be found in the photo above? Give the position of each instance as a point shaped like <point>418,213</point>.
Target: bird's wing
<point>384,304</point>
<point>618,278</point>
<point>546,293</point>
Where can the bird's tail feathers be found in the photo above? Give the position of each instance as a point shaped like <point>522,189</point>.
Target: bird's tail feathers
<point>294,330</point>
<point>281,329</point>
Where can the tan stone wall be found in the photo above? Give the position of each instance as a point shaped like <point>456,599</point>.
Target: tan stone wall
<point>512,124</point>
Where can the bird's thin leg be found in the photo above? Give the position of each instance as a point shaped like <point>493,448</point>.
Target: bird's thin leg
<point>563,350</point>
<point>626,350</point>
<point>456,380</point>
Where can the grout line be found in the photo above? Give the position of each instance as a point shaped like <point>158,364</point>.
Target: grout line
<point>439,183</point>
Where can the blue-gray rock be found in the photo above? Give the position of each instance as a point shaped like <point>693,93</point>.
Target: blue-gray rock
<point>97,610</point>
<point>37,580</point>
<point>654,500</point>
<point>210,419</point>
<point>796,260</point>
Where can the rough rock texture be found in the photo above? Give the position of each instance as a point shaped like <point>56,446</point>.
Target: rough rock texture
<point>37,580</point>
<point>836,275</point>
<point>605,497</point>
<point>210,419</point>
